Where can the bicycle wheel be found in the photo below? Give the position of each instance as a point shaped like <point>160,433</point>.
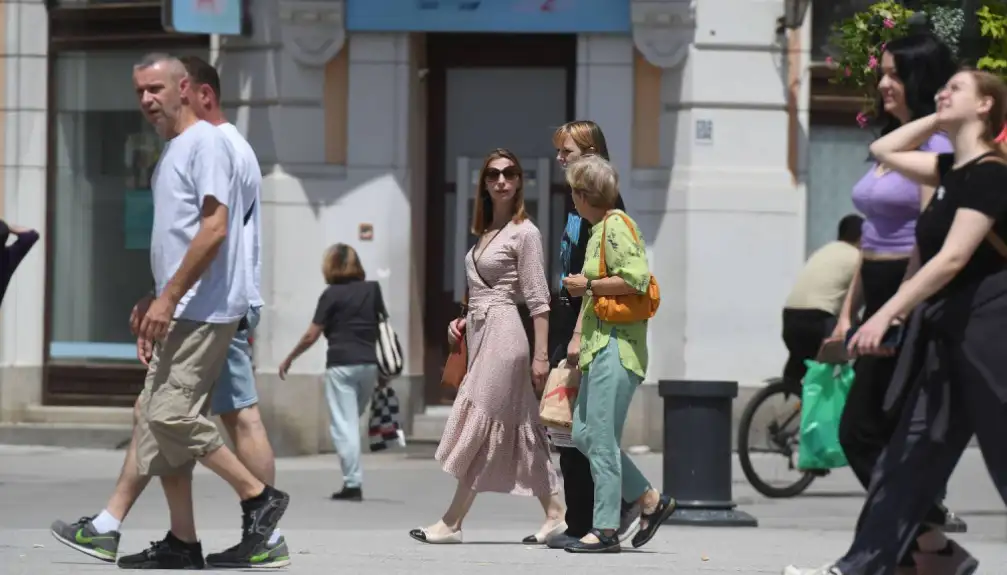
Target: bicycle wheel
<point>780,435</point>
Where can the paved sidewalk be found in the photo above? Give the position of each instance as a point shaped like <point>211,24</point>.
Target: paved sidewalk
<point>38,485</point>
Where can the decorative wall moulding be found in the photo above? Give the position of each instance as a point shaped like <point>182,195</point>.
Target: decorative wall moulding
<point>663,30</point>
<point>313,31</point>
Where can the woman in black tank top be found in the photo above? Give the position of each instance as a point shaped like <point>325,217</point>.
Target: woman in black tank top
<point>953,355</point>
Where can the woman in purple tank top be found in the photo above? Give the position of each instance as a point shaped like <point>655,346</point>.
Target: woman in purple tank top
<point>913,70</point>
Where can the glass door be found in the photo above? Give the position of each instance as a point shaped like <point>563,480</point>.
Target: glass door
<point>459,207</point>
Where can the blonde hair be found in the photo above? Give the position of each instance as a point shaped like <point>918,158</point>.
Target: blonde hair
<point>596,179</point>
<point>341,262</point>
<point>992,87</point>
<point>482,213</point>
<point>586,134</point>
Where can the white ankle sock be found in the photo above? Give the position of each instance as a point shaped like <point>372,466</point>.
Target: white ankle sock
<point>104,522</point>
<point>275,537</point>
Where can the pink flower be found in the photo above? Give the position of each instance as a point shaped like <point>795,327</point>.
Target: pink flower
<point>889,23</point>
<point>828,60</point>
<point>883,45</point>
<point>862,120</point>
<point>849,71</point>
<point>872,62</point>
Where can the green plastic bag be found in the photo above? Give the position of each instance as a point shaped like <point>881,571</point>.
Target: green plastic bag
<point>822,400</point>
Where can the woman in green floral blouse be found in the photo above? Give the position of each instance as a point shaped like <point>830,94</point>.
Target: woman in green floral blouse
<point>613,359</point>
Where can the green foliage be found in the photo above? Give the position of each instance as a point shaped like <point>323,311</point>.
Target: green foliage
<point>993,26</point>
<point>858,42</point>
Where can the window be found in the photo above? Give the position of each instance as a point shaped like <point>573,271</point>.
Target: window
<point>824,15</point>
<point>104,154</point>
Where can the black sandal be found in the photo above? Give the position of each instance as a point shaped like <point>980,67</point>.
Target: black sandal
<point>605,544</point>
<point>665,507</point>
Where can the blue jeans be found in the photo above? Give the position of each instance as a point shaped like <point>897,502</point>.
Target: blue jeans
<point>348,389</point>
<point>235,388</point>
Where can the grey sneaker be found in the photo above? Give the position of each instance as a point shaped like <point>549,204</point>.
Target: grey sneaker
<point>629,522</point>
<point>266,557</point>
<point>82,536</point>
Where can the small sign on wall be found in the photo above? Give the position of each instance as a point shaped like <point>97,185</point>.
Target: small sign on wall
<point>704,131</point>
<point>366,232</point>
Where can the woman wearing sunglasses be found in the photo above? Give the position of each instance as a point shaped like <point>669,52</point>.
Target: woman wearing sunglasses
<point>493,440</point>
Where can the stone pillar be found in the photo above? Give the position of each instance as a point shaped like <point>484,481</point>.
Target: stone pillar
<point>25,34</point>
<point>328,115</point>
<point>729,211</point>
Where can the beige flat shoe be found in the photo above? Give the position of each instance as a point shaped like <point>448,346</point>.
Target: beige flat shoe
<point>541,537</point>
<point>420,534</point>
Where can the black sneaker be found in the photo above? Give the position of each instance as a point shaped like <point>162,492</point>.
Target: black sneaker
<point>170,553</point>
<point>262,556</point>
<point>260,516</point>
<point>349,494</point>
<point>82,536</point>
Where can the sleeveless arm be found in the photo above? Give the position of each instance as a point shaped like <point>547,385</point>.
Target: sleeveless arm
<point>531,270</point>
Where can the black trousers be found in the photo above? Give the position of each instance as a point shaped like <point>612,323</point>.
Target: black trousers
<point>804,330</point>
<point>865,427</point>
<point>958,393</point>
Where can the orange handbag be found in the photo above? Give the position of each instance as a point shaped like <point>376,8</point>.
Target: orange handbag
<point>457,364</point>
<point>628,308</point>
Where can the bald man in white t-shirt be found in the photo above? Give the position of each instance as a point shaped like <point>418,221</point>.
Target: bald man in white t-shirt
<point>234,396</point>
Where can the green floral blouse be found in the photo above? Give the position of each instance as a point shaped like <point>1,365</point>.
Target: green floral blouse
<point>626,258</point>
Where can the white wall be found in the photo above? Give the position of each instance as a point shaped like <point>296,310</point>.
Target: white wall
<point>309,204</point>
<point>24,159</point>
<point>727,225</point>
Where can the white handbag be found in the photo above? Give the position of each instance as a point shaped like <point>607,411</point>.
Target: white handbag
<point>387,347</point>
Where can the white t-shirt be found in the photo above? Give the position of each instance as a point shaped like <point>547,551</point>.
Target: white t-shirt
<point>196,164</point>
<point>250,179</point>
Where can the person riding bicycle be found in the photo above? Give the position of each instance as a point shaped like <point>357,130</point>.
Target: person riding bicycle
<point>809,315</point>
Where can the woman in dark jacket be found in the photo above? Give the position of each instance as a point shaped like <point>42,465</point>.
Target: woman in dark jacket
<point>11,256</point>
<point>573,140</point>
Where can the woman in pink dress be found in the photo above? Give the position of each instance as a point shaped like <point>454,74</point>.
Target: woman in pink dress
<point>494,440</point>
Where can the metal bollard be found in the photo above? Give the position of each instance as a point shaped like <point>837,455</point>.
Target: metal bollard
<point>697,453</point>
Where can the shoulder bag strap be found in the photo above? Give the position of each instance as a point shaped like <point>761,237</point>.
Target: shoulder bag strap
<point>994,240</point>
<point>602,266</point>
<point>379,302</point>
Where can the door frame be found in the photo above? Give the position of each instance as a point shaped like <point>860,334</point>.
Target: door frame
<point>445,51</point>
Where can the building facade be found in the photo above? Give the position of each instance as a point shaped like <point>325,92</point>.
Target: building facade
<point>370,119</point>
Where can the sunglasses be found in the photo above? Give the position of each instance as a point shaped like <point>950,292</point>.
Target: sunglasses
<point>509,173</point>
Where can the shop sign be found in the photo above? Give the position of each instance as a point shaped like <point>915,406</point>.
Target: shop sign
<point>203,16</point>
<point>542,16</point>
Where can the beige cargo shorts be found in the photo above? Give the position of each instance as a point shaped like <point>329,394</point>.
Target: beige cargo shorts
<point>173,430</point>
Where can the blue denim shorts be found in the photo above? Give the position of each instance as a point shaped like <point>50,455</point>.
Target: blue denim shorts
<point>235,389</point>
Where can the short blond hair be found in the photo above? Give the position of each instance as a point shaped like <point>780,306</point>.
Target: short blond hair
<point>596,179</point>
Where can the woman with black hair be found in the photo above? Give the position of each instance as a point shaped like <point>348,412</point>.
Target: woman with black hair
<point>574,140</point>
<point>913,70</point>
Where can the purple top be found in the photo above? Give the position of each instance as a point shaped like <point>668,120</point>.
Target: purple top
<point>890,204</point>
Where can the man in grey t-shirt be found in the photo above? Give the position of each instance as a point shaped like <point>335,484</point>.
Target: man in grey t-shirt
<point>198,264</point>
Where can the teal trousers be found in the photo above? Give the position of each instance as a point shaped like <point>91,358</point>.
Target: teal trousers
<point>598,418</point>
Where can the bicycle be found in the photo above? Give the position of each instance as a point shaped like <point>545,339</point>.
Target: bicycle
<point>782,437</point>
